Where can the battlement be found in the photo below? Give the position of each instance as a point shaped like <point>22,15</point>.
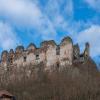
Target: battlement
<point>49,53</point>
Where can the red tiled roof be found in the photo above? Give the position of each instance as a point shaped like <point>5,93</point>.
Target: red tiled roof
<point>4,92</point>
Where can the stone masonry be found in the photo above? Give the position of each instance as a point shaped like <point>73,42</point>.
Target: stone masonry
<point>49,53</point>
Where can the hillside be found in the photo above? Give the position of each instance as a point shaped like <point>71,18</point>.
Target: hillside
<point>77,82</point>
<point>88,67</point>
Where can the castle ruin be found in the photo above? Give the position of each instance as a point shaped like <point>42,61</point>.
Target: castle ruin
<point>49,53</point>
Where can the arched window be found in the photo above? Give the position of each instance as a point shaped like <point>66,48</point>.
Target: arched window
<point>37,57</point>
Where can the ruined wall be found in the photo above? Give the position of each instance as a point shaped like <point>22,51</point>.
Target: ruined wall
<point>51,58</point>
<point>76,52</point>
<point>4,58</point>
<point>49,53</point>
<point>66,51</point>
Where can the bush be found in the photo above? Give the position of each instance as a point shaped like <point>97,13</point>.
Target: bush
<point>69,84</point>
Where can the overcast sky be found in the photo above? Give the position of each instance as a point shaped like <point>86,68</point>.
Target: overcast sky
<point>25,21</point>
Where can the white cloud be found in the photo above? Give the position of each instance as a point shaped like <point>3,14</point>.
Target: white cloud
<point>20,10</point>
<point>58,10</point>
<point>91,35</point>
<point>26,13</point>
<point>94,4</point>
<point>8,38</point>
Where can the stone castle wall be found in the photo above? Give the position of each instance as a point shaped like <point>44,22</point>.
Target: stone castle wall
<point>49,53</point>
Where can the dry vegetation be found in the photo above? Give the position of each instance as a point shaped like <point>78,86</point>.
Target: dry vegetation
<point>71,84</point>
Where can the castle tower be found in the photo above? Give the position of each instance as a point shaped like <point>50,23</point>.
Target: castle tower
<point>87,50</point>
<point>4,58</point>
<point>50,52</point>
<point>66,51</point>
<point>11,57</point>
